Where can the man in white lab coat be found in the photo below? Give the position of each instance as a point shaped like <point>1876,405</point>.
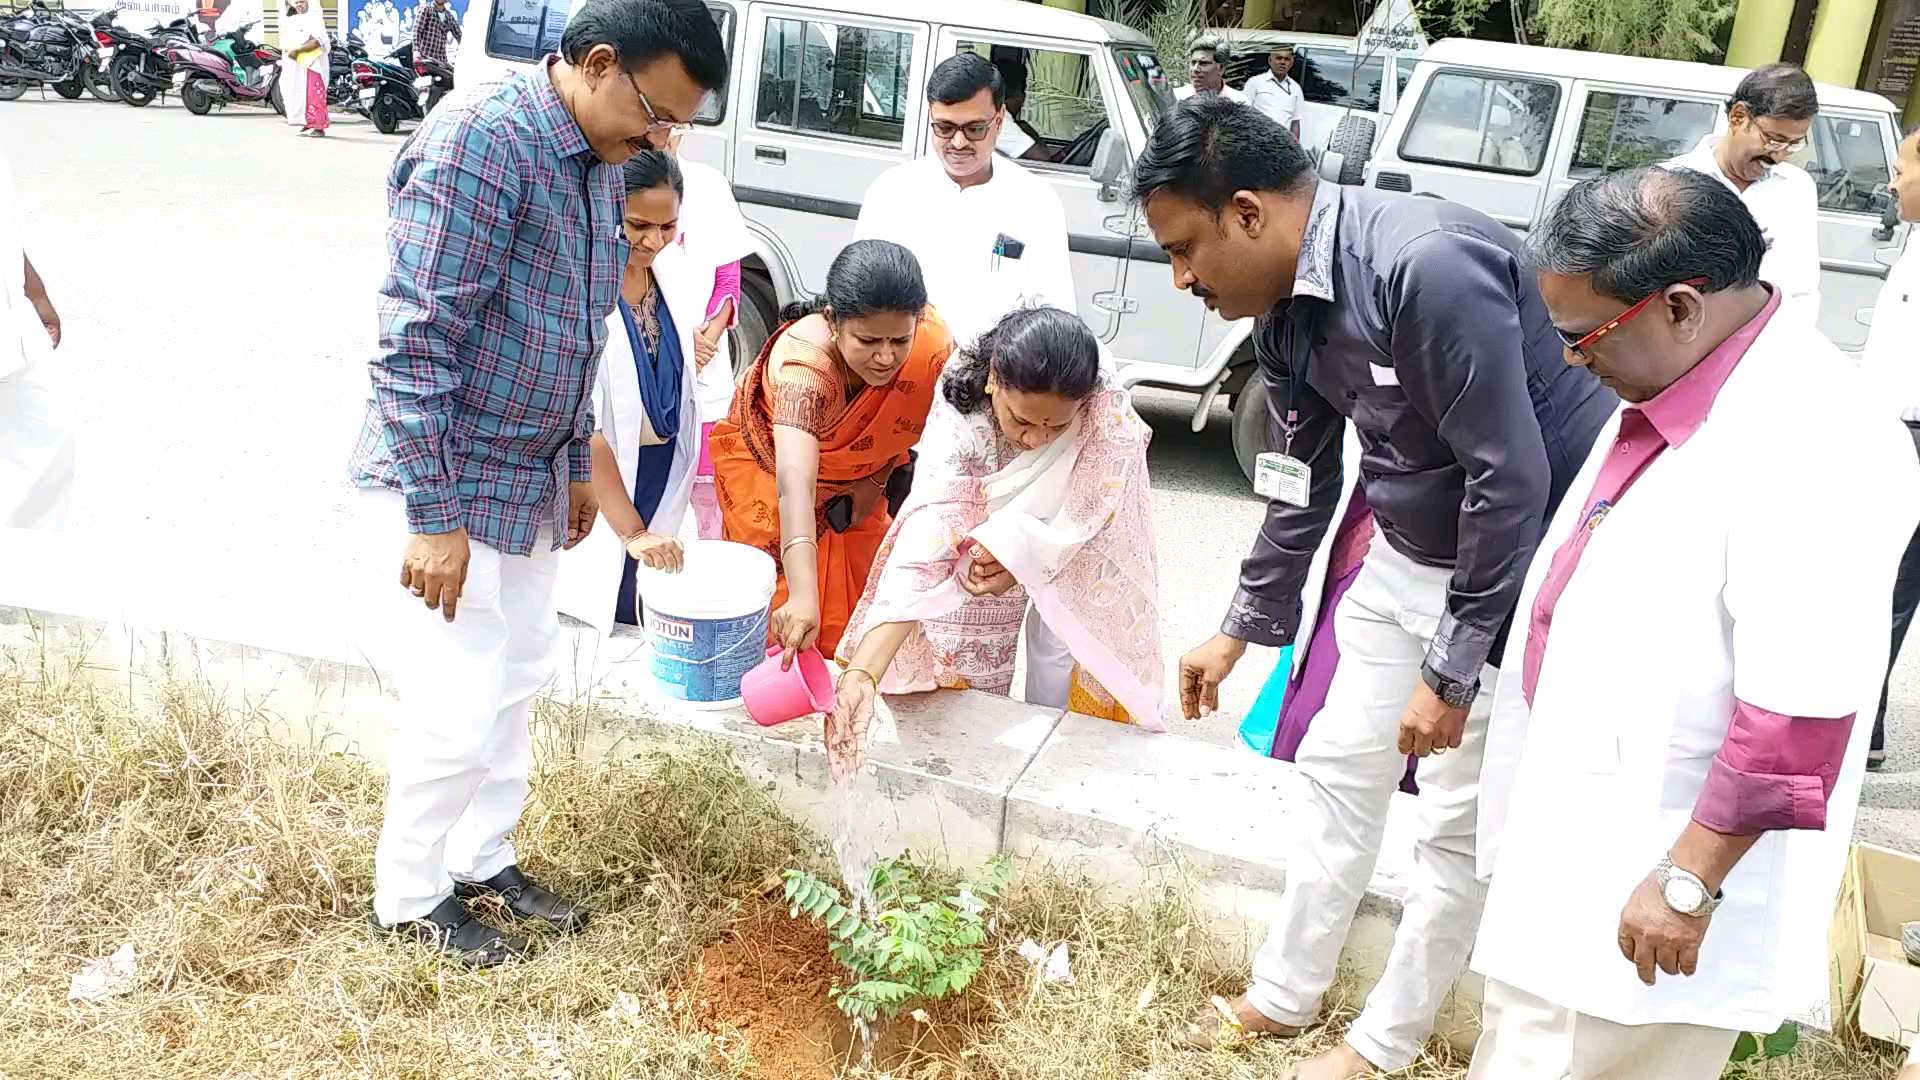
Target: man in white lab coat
<point>1768,119</point>
<point>990,236</point>
<point>36,439</point>
<point>1677,744</point>
<point>1891,361</point>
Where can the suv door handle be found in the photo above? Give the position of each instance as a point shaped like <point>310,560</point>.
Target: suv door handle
<point>1116,303</point>
<point>773,154</point>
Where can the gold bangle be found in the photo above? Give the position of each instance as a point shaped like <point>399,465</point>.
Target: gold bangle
<point>796,541</point>
<point>871,677</point>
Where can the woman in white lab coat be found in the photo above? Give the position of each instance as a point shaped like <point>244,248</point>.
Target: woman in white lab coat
<point>647,444</point>
<point>713,239</point>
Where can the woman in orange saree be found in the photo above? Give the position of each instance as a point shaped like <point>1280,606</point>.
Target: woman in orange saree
<point>824,416</point>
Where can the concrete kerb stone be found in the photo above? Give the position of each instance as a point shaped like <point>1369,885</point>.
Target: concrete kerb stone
<point>957,776</point>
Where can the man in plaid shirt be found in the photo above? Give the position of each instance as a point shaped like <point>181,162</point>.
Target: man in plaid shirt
<point>505,255</point>
<point>430,29</point>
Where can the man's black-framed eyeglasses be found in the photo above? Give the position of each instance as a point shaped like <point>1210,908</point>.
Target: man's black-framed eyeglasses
<point>976,131</point>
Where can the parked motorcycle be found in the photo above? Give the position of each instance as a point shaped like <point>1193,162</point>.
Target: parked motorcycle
<point>387,94</point>
<point>228,70</point>
<point>99,74</point>
<point>41,47</point>
<point>140,68</point>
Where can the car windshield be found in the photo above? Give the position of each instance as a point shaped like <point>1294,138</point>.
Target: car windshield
<point>1147,84</point>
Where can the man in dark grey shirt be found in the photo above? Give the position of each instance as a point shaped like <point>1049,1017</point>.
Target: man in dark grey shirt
<point>1417,320</point>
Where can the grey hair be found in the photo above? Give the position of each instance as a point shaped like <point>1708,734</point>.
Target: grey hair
<point>1782,90</point>
<point>1635,232</point>
<point>1216,44</point>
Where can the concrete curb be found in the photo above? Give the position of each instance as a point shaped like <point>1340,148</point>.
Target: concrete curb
<point>958,776</point>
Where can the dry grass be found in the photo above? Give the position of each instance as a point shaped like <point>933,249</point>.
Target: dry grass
<point>240,869</point>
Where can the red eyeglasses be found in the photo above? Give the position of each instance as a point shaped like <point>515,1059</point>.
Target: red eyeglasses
<point>1580,346</point>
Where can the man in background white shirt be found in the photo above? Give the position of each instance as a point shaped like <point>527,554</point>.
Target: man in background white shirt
<point>1894,368</point>
<point>1275,93</point>
<point>1768,119</point>
<point>1018,139</point>
<point>990,236</point>
<point>1207,60</point>
<point>36,441</point>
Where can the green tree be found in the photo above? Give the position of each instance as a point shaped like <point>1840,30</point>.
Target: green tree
<point>1668,29</point>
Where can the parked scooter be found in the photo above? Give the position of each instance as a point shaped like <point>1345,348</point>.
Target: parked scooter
<point>432,81</point>
<point>140,68</point>
<point>387,95</point>
<point>41,47</point>
<point>228,70</point>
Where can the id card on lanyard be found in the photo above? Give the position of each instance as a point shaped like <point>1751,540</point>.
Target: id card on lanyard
<point>1280,475</point>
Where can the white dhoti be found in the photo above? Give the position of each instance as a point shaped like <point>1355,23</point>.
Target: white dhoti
<point>458,761</point>
<point>1529,1038</point>
<point>37,450</point>
<point>1351,765</point>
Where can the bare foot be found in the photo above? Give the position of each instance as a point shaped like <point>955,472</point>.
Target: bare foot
<point>1342,1062</point>
<point>1229,1023</point>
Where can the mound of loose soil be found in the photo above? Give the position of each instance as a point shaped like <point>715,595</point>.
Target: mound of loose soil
<point>768,978</point>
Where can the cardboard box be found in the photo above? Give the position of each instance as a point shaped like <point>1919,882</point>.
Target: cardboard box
<point>1874,987</point>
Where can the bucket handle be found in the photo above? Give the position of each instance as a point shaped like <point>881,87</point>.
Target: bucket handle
<point>761,626</point>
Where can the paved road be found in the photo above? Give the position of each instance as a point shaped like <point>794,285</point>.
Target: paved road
<point>215,275</point>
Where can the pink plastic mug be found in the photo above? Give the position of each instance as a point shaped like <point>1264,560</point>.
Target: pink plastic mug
<point>773,696</point>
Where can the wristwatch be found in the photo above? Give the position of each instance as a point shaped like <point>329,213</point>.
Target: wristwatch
<point>1683,892</point>
<point>1456,694</point>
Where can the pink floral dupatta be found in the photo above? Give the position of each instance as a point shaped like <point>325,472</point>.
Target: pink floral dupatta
<point>1071,521</point>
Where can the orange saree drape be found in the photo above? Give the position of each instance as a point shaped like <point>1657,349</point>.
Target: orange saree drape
<point>797,384</point>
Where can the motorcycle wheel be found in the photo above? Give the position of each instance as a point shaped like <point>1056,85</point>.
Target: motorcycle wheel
<point>278,103</point>
<point>196,98</point>
<point>11,89</point>
<point>386,113</point>
<point>123,72</point>
<point>433,96</point>
<point>71,89</point>
<point>99,83</point>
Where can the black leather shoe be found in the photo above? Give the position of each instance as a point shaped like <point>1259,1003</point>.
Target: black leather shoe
<point>525,899</point>
<point>450,929</point>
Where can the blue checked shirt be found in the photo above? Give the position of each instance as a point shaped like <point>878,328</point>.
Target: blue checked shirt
<point>505,252</point>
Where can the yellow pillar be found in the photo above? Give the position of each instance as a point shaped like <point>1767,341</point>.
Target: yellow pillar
<point>1839,42</point>
<point>1257,14</point>
<point>1759,32</point>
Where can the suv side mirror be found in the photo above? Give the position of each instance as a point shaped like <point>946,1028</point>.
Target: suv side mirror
<point>1889,209</point>
<point>1111,169</point>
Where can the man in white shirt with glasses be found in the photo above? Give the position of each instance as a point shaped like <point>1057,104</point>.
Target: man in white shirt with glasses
<point>1768,121</point>
<point>990,235</point>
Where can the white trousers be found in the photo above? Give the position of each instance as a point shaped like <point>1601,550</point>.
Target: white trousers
<point>458,760</point>
<point>1049,664</point>
<point>1528,1038</point>
<point>36,450</point>
<point>1351,765</point>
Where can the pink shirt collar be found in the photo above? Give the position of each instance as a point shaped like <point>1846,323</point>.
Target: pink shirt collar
<point>1679,410</point>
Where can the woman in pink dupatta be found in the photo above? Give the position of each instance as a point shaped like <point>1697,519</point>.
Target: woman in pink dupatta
<point>1030,503</point>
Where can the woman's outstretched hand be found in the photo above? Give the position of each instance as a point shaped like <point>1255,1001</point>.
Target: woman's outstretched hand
<point>847,724</point>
